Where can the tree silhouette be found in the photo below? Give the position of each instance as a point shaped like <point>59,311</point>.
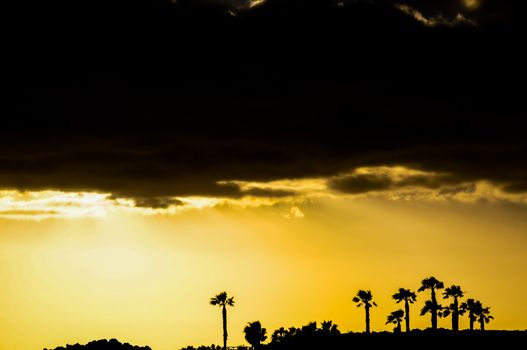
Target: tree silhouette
<point>409,297</point>
<point>222,300</point>
<point>329,328</point>
<point>396,317</point>
<point>483,315</point>
<point>309,330</point>
<point>365,298</point>
<point>454,292</point>
<point>280,335</point>
<point>255,334</point>
<point>472,307</point>
<point>431,305</point>
<point>432,308</point>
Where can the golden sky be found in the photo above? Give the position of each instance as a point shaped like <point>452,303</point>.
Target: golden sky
<point>79,266</point>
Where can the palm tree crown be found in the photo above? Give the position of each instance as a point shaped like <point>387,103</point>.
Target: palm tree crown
<point>430,283</point>
<point>364,298</point>
<point>453,292</point>
<point>221,299</point>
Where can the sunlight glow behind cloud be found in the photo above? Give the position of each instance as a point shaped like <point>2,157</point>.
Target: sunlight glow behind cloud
<point>393,183</point>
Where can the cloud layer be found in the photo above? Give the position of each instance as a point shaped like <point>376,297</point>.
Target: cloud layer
<point>193,101</point>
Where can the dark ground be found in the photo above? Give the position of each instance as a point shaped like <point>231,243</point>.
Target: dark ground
<point>416,340</point>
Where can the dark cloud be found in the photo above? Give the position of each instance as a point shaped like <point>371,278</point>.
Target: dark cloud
<point>361,183</point>
<point>152,100</point>
<point>383,181</point>
<point>263,192</point>
<point>157,202</point>
<point>463,188</point>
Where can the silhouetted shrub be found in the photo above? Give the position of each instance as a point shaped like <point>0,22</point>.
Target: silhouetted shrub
<point>103,344</point>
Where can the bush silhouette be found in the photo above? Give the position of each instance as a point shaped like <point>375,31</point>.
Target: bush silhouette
<point>102,344</point>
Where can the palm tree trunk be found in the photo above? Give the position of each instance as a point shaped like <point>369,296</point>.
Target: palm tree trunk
<point>434,311</point>
<point>367,319</point>
<point>224,315</point>
<point>455,316</point>
<point>407,315</point>
<point>471,319</point>
<point>482,324</point>
<point>398,329</point>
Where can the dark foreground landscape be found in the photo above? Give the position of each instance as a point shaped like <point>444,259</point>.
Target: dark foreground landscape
<point>442,339</point>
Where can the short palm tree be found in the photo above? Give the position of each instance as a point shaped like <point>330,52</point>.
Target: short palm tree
<point>432,308</point>
<point>471,306</point>
<point>365,298</point>
<point>223,300</point>
<point>455,293</point>
<point>483,316</point>
<point>431,305</point>
<point>408,297</point>
<point>255,334</point>
<point>396,317</point>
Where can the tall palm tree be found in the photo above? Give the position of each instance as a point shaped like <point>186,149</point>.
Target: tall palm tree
<point>223,300</point>
<point>408,297</point>
<point>431,306</point>
<point>454,292</point>
<point>483,315</point>
<point>255,334</point>
<point>365,298</point>
<point>471,306</point>
<point>396,317</point>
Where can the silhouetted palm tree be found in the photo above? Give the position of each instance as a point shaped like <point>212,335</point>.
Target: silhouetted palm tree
<point>396,317</point>
<point>471,306</point>
<point>431,306</point>
<point>255,334</point>
<point>365,298</point>
<point>222,300</point>
<point>483,315</point>
<point>454,292</point>
<point>409,297</point>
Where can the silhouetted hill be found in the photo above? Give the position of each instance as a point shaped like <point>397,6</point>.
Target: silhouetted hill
<point>103,344</point>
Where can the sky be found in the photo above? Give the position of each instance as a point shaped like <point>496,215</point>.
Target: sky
<point>287,152</point>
